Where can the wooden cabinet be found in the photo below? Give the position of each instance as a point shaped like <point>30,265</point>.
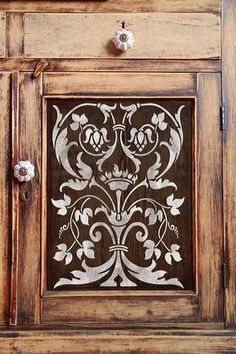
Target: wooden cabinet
<point>125,222</point>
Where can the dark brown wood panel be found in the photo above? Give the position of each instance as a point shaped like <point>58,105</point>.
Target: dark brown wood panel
<point>124,182</point>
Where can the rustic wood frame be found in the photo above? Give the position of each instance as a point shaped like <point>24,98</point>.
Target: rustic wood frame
<point>229,98</point>
<point>25,307</point>
<point>150,341</point>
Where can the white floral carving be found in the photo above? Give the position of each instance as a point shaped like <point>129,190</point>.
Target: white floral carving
<point>117,211</point>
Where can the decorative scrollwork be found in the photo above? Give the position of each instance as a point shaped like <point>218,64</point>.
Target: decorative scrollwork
<point>117,211</point>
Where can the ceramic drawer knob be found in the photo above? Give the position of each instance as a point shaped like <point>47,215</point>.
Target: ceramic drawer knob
<point>24,171</point>
<point>123,39</point>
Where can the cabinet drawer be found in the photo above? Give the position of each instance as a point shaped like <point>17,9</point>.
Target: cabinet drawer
<point>157,35</point>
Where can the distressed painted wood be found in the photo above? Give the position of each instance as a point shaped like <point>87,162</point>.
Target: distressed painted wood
<point>113,6</point>
<point>118,83</point>
<point>209,208</point>
<point>5,176</point>
<point>2,33</point>
<point>128,341</point>
<point>26,251</point>
<point>105,309</point>
<point>67,65</point>
<point>159,35</point>
<point>15,32</point>
<point>229,95</point>
<point>201,46</point>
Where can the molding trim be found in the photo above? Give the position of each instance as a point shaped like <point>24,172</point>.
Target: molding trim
<point>165,342</point>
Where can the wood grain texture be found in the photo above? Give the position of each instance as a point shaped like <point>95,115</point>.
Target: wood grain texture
<point>5,176</point>
<point>157,36</point>
<point>148,65</point>
<point>2,33</point>
<point>27,204</point>
<point>209,197</point>
<point>15,35</point>
<point>229,100</point>
<point>118,84</point>
<point>114,6</point>
<point>128,341</point>
<point>117,309</point>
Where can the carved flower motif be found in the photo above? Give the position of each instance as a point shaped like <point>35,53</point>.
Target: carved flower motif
<point>140,137</point>
<point>118,179</point>
<point>123,39</point>
<point>24,171</point>
<point>96,138</point>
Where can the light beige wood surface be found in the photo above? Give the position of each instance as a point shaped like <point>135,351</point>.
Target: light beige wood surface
<point>114,6</point>
<point>15,32</point>
<point>119,84</point>
<point>2,33</point>
<point>159,35</point>
<point>137,65</point>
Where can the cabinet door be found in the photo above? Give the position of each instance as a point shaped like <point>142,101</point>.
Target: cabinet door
<point>122,223</point>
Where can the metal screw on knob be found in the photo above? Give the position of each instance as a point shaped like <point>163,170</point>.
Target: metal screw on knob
<point>24,171</point>
<point>123,39</point>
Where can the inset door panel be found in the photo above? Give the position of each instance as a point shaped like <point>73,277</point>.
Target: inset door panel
<point>130,199</point>
<point>119,187</point>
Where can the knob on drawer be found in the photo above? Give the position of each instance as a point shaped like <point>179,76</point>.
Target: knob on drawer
<point>123,39</point>
<point>24,171</point>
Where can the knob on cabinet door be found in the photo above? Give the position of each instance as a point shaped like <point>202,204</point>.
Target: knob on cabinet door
<point>123,39</point>
<point>24,171</point>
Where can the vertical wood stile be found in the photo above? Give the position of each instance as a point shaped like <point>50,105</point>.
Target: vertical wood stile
<point>5,175</point>
<point>27,270</point>
<point>229,101</point>
<point>209,197</point>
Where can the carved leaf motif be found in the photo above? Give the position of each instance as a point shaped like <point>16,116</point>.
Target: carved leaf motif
<point>150,249</point>
<point>154,169</point>
<point>77,184</point>
<point>84,170</point>
<point>83,216</point>
<point>61,204</point>
<point>173,254</point>
<point>61,149</point>
<point>63,254</point>
<point>78,120</point>
<point>175,142</point>
<point>174,204</point>
<point>86,249</point>
<point>160,183</point>
<point>152,216</point>
<point>159,120</point>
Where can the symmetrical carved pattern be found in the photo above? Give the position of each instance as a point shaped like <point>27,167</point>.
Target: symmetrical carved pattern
<point>113,215</point>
